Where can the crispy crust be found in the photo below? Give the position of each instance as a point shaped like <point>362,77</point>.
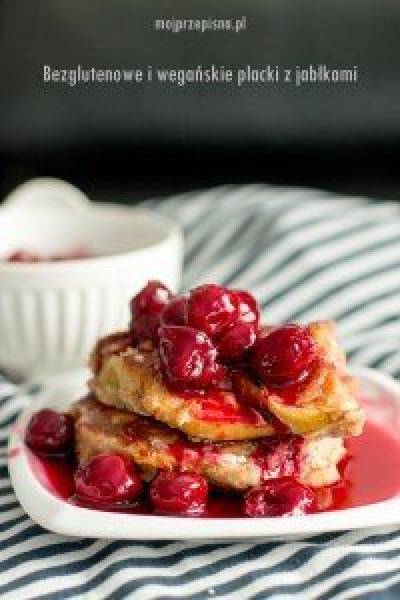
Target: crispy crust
<point>114,343</point>
<point>231,465</point>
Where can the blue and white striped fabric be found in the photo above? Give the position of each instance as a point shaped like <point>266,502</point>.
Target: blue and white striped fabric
<point>306,255</point>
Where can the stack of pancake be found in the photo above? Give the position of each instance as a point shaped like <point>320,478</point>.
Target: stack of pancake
<point>235,443</point>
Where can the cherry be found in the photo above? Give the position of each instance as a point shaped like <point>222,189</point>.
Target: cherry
<point>50,432</point>
<point>212,309</point>
<point>284,355</point>
<point>146,309</point>
<point>27,256</point>
<point>249,311</point>
<point>233,344</point>
<point>107,478</point>
<point>24,256</point>
<point>175,313</point>
<point>176,493</point>
<point>279,498</point>
<point>188,356</point>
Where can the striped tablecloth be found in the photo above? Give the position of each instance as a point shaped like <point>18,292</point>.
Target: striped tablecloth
<point>306,255</point>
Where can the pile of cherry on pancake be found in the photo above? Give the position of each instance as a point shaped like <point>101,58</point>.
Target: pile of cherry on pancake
<point>200,410</point>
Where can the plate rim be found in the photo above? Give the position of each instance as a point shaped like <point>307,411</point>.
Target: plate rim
<point>54,514</point>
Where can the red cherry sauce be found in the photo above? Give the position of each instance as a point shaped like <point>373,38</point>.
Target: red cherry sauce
<point>188,454</point>
<point>278,456</point>
<point>223,506</point>
<point>54,473</point>
<point>289,394</point>
<point>136,507</point>
<point>223,407</point>
<point>219,406</point>
<point>370,472</point>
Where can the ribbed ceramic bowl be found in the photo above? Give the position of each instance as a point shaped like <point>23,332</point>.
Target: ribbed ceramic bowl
<point>51,313</point>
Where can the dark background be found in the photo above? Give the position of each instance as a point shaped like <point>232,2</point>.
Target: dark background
<point>125,142</point>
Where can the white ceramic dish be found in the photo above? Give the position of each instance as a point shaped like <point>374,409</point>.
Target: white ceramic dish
<point>59,516</point>
<point>51,313</point>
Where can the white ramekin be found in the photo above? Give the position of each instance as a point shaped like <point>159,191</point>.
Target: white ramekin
<point>51,313</point>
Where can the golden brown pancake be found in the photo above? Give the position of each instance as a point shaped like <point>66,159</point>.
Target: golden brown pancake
<point>129,378</point>
<point>231,465</point>
<point>132,380</point>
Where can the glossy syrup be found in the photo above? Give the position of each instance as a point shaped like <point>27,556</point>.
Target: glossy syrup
<point>370,473</point>
<point>219,406</point>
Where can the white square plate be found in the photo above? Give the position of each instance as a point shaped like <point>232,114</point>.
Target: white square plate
<point>59,516</point>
